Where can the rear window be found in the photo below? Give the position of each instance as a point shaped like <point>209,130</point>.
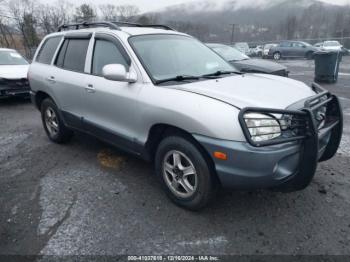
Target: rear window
<point>73,54</point>
<point>48,49</point>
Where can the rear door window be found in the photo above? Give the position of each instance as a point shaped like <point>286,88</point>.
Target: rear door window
<point>48,50</point>
<point>72,55</point>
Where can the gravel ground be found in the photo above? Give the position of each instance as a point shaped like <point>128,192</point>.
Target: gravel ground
<point>87,198</point>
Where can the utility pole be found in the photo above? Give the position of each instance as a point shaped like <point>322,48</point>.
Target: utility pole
<point>233,33</point>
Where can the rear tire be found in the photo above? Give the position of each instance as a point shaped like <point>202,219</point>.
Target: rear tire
<point>53,123</point>
<point>184,173</point>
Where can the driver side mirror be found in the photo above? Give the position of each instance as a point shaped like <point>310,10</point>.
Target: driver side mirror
<point>117,72</point>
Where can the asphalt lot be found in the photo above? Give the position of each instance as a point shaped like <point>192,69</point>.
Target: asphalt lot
<point>87,198</point>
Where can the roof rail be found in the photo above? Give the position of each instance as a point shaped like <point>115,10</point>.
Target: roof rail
<point>142,25</point>
<point>85,24</point>
<point>112,25</point>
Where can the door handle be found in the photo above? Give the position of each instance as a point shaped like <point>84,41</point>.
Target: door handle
<point>90,88</point>
<point>51,79</point>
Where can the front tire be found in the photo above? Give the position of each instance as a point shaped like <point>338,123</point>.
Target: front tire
<point>277,56</point>
<point>53,124</point>
<point>184,173</point>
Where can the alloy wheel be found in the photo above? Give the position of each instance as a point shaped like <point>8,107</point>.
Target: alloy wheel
<point>180,174</point>
<point>51,121</point>
<point>277,56</point>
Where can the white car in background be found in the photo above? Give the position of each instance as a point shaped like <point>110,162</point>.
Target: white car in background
<point>13,74</point>
<point>242,47</point>
<point>266,50</point>
<point>331,46</point>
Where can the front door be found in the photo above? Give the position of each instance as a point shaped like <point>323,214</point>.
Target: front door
<point>112,107</point>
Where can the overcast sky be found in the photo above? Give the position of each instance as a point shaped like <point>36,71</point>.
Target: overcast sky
<point>148,5</point>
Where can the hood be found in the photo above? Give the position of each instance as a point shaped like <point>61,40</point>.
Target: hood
<point>252,90</point>
<point>13,71</point>
<point>258,65</point>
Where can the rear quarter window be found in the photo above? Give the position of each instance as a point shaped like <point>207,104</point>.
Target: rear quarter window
<point>48,50</point>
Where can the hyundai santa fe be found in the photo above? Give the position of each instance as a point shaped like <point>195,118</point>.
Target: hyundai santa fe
<point>169,99</point>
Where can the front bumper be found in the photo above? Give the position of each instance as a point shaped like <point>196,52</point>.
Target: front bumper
<point>248,167</point>
<point>15,87</point>
<point>284,164</point>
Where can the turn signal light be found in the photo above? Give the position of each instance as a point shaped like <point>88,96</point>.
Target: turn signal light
<point>220,155</point>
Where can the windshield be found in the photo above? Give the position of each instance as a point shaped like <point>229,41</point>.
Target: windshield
<point>331,43</point>
<point>230,53</point>
<point>167,56</point>
<point>11,58</point>
<point>305,44</point>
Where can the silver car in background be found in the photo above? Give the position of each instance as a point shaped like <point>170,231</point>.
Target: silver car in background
<point>169,99</point>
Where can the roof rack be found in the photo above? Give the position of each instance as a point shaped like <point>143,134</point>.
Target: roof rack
<point>85,24</point>
<point>112,25</point>
<point>141,25</point>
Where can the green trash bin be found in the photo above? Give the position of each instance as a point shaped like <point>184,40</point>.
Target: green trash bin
<point>327,66</point>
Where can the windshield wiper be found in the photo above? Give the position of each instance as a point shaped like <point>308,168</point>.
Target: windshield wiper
<point>179,78</point>
<point>219,73</point>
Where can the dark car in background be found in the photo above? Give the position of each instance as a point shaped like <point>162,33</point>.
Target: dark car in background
<point>246,64</point>
<point>13,74</point>
<point>292,49</point>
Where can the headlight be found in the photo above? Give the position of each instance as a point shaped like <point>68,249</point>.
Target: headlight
<point>262,127</point>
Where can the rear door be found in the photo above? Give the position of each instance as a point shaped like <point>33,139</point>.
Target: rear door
<point>69,76</point>
<point>41,69</point>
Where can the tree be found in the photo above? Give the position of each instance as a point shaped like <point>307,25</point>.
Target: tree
<point>84,12</point>
<point>25,22</point>
<point>148,19</point>
<point>52,16</point>
<point>109,12</point>
<point>291,26</point>
<point>127,12</point>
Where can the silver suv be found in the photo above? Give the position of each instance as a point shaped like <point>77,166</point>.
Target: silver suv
<point>166,97</point>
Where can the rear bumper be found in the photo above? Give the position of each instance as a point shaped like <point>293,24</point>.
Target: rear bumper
<point>285,165</point>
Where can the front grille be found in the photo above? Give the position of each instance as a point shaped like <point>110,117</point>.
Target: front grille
<point>325,110</point>
<point>320,114</point>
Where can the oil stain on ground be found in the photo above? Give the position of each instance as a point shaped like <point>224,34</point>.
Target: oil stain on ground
<point>109,159</point>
